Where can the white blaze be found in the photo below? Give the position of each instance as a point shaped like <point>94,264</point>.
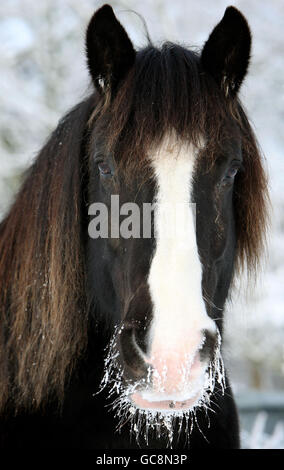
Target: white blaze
<point>175,276</point>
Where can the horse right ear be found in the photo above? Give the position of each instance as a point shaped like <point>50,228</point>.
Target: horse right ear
<point>226,53</point>
<point>110,53</point>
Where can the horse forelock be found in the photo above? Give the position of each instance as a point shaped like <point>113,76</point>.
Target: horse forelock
<point>167,93</point>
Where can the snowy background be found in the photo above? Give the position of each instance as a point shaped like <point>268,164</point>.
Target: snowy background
<point>43,73</point>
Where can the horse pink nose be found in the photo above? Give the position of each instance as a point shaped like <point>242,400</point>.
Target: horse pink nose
<point>172,373</point>
<point>176,370</point>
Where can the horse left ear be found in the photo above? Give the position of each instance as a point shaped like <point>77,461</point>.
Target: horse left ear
<point>110,52</point>
<point>226,53</point>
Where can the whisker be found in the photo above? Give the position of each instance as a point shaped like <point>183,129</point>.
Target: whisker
<point>210,301</point>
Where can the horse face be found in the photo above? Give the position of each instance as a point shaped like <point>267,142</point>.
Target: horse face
<point>165,289</point>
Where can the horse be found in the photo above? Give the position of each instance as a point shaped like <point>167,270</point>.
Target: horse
<point>111,335</point>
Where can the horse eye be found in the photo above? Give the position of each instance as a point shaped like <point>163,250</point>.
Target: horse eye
<point>230,175</point>
<point>104,168</point>
<point>232,172</point>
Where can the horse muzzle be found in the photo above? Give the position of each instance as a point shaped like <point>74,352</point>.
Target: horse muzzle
<point>171,376</point>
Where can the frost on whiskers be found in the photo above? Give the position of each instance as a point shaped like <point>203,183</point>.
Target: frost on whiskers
<point>151,423</point>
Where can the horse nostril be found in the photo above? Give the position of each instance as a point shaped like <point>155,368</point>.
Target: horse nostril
<point>140,339</point>
<point>131,345</point>
<point>209,346</point>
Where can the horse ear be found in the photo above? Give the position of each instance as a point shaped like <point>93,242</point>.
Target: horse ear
<point>226,53</point>
<point>110,53</point>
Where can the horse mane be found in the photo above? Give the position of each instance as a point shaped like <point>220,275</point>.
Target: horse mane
<point>42,271</point>
<point>42,275</point>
